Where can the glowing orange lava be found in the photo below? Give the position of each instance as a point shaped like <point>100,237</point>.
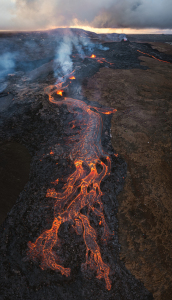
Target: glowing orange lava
<point>154,57</point>
<point>101,60</point>
<point>93,56</point>
<point>60,92</point>
<point>81,190</point>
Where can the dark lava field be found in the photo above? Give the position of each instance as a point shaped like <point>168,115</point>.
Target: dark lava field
<point>85,204</point>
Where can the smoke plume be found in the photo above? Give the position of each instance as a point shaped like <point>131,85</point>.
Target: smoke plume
<point>43,14</point>
<point>7,65</point>
<point>81,44</point>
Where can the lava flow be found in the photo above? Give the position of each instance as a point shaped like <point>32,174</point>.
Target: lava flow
<point>82,190</point>
<point>154,57</point>
<point>101,60</point>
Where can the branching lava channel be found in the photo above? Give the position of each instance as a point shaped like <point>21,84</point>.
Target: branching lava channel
<point>86,150</point>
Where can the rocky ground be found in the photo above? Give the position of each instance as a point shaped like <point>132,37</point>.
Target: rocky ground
<point>158,38</point>
<point>139,87</point>
<point>141,133</point>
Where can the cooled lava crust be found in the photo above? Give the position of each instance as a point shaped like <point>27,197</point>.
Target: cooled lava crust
<point>60,240</point>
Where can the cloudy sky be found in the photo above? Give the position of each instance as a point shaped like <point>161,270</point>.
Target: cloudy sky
<point>45,14</point>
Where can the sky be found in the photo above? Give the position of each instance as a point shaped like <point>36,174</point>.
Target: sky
<point>120,15</point>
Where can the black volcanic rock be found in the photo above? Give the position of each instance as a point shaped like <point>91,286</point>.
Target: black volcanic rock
<point>40,128</point>
<point>43,128</point>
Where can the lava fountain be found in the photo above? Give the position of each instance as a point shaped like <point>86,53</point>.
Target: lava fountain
<point>81,190</point>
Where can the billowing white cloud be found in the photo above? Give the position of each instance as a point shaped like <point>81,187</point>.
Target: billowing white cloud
<point>6,13</point>
<point>43,14</point>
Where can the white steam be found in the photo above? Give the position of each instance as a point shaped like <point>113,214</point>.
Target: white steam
<point>7,63</point>
<point>80,43</point>
<point>63,55</point>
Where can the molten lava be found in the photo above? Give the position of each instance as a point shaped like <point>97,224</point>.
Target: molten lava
<point>101,60</point>
<point>154,57</point>
<point>81,190</point>
<point>72,77</point>
<point>60,92</point>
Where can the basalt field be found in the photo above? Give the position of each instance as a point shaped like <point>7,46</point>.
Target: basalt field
<point>85,165</point>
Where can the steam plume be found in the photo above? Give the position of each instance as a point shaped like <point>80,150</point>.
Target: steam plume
<point>7,65</point>
<point>71,41</point>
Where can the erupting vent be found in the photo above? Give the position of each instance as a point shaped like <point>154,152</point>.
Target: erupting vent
<point>72,78</point>
<point>60,92</point>
<point>82,190</point>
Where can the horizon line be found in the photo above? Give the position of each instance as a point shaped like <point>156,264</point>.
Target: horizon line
<point>100,30</point>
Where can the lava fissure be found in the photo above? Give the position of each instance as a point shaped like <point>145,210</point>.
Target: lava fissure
<point>87,153</point>
<point>154,57</point>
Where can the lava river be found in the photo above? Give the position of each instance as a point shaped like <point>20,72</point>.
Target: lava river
<point>82,189</point>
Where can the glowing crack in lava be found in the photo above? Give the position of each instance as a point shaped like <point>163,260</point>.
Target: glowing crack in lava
<point>154,57</point>
<point>101,60</point>
<point>81,190</point>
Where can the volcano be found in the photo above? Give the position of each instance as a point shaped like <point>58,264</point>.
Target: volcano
<point>60,239</point>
